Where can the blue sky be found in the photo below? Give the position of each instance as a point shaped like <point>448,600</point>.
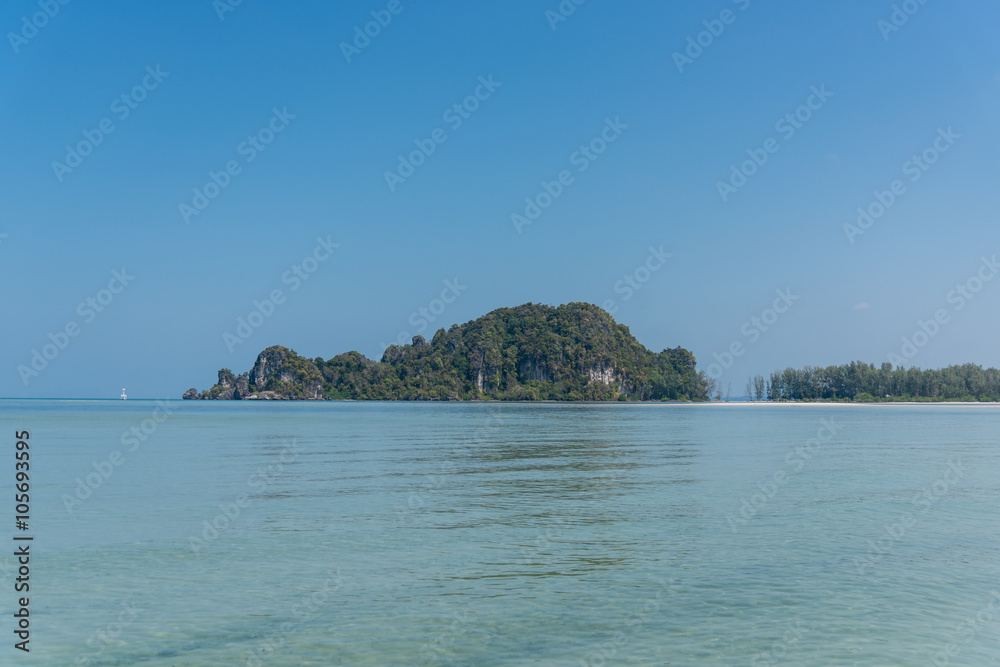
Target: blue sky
<point>553,90</point>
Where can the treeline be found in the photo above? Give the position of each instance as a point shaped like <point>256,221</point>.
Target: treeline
<point>866,383</point>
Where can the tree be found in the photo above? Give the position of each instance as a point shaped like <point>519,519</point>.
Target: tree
<point>709,385</point>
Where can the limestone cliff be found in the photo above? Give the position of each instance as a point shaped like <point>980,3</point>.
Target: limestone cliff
<point>278,374</point>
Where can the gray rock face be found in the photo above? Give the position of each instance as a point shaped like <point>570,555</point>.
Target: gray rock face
<point>226,378</point>
<point>316,390</point>
<point>602,373</point>
<point>278,374</point>
<point>268,363</point>
<point>242,388</point>
<point>191,394</point>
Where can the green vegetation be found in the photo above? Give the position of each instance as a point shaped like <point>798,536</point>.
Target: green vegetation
<point>575,352</point>
<point>866,383</point>
<point>532,352</point>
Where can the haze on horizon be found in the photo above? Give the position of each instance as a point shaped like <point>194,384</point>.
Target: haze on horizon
<point>692,169</point>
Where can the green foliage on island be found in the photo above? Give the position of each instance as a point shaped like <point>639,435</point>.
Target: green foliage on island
<point>865,383</point>
<point>299,379</point>
<point>575,352</point>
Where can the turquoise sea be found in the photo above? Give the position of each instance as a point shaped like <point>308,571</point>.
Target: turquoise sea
<point>260,533</point>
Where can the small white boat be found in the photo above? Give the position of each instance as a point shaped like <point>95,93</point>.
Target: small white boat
<point>124,397</point>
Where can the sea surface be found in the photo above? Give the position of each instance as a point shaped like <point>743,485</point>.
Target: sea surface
<point>274,533</point>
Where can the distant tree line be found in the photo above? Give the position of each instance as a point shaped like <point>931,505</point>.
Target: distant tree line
<point>865,383</point>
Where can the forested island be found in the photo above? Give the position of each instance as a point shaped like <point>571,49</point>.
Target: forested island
<point>574,352</point>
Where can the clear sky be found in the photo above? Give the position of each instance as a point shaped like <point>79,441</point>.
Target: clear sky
<point>309,129</point>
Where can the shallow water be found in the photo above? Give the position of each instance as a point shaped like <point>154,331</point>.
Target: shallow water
<point>474,534</point>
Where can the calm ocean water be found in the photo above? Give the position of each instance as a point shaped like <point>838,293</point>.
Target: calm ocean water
<point>457,534</point>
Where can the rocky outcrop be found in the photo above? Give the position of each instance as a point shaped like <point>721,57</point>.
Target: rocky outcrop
<point>610,376</point>
<point>530,352</point>
<point>603,374</point>
<point>226,378</point>
<point>191,394</point>
<point>242,389</point>
<point>278,374</point>
<point>269,364</point>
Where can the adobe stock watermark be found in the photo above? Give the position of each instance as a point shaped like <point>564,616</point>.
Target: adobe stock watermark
<point>582,159</point>
<point>87,310</point>
<point>381,18</point>
<point>30,25</point>
<point>634,281</point>
<point>424,316</point>
<point>103,470</point>
<point>562,13</point>
<point>455,116</point>
<point>961,295</point>
<point>697,45</point>
<point>108,635</point>
<point>893,533</point>
<point>249,149</point>
<point>900,16</point>
<point>915,168</point>
<point>295,276</point>
<point>787,125</point>
<point>795,461</point>
<point>753,329</point>
<point>122,107</point>
<point>258,481</point>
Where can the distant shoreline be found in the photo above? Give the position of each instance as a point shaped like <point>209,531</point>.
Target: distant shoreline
<point>856,405</point>
<point>790,404</point>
